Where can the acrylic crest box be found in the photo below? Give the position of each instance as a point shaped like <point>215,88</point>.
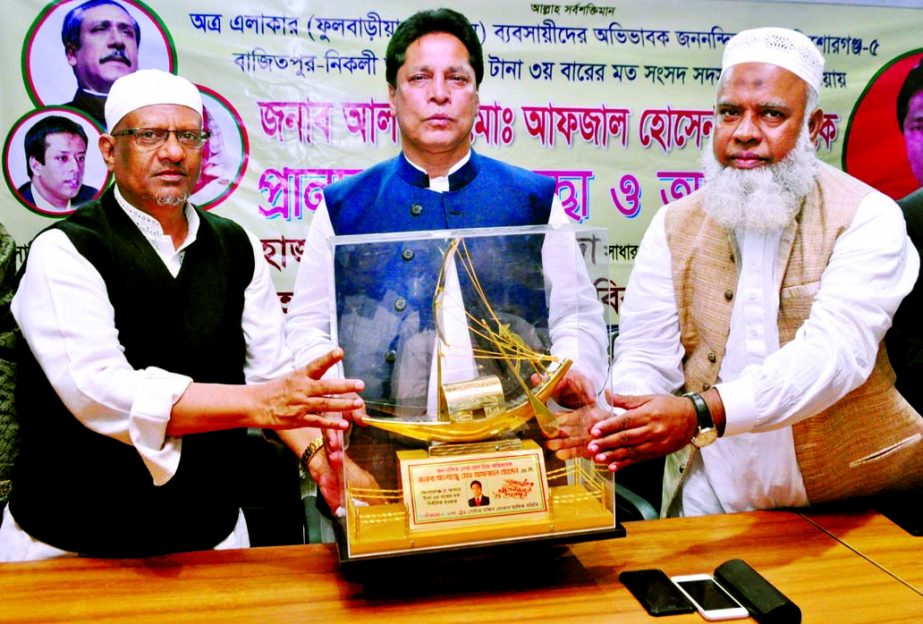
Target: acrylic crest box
<point>450,332</point>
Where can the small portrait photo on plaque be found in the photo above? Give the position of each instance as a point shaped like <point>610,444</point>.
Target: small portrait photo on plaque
<point>478,497</point>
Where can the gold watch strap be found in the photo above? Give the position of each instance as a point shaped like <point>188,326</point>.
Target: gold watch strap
<point>311,450</point>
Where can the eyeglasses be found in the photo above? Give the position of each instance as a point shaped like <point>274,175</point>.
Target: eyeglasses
<point>155,137</point>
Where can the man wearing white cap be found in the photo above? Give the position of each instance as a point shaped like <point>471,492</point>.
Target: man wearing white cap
<point>155,338</point>
<point>750,335</point>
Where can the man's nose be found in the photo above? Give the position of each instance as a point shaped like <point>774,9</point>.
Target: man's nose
<point>439,89</point>
<point>117,38</point>
<point>171,149</point>
<point>747,129</point>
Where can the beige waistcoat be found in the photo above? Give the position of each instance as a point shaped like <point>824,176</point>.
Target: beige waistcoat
<point>869,441</point>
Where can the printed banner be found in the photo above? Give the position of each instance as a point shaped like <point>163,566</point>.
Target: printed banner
<point>613,100</point>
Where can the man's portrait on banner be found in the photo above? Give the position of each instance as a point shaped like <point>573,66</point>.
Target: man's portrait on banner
<point>910,118</point>
<point>75,50</point>
<point>880,142</point>
<point>51,161</point>
<point>225,155</point>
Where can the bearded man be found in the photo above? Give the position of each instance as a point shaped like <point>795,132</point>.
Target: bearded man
<point>750,348</point>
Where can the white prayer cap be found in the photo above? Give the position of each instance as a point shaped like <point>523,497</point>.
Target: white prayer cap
<point>789,49</point>
<point>147,87</point>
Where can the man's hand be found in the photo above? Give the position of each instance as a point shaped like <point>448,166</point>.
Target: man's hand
<point>650,426</point>
<point>295,401</point>
<point>329,479</point>
<point>356,416</point>
<point>302,398</point>
<point>573,390</point>
<point>573,435</point>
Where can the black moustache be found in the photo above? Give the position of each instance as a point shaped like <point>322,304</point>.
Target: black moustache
<point>116,56</point>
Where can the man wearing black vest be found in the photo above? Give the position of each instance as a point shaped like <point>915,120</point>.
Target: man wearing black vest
<point>434,67</point>
<point>153,338</point>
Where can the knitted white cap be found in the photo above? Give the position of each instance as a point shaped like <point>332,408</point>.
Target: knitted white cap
<point>147,87</point>
<point>789,49</point>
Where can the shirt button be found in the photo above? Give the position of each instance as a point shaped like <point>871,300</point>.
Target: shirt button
<point>390,356</point>
<point>400,304</point>
<point>407,254</point>
<point>728,294</point>
<point>416,210</point>
<point>712,357</point>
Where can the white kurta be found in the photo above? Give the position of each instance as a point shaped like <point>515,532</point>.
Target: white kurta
<point>64,312</point>
<point>765,388</point>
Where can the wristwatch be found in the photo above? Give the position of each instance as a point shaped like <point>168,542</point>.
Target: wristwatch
<point>706,433</point>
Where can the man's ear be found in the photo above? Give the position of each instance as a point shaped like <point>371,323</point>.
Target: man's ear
<point>35,165</point>
<point>71,53</point>
<point>815,123</point>
<point>107,149</point>
<point>391,94</point>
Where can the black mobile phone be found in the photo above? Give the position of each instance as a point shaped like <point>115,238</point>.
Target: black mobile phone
<point>656,592</point>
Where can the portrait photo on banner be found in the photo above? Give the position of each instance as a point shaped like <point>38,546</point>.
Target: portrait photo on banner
<point>51,162</point>
<point>877,145</point>
<point>225,154</point>
<point>76,49</point>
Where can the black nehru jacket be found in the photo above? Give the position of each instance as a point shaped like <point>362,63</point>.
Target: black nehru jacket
<point>905,338</point>
<point>85,492</point>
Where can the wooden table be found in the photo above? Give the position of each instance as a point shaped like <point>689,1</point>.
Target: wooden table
<point>876,538</point>
<point>579,583</point>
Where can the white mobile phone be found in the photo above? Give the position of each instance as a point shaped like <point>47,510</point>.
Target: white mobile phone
<point>712,601</point>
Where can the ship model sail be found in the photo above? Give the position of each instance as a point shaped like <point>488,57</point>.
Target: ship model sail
<point>476,409</point>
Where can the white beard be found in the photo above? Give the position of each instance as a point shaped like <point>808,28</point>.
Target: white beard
<point>764,199</point>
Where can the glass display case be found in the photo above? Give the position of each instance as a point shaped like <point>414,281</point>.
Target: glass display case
<point>461,338</point>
